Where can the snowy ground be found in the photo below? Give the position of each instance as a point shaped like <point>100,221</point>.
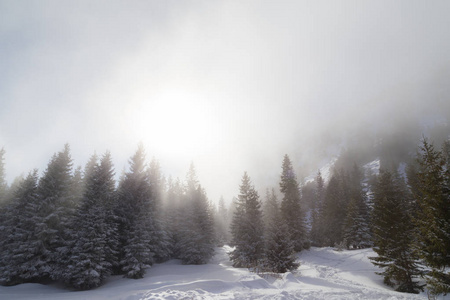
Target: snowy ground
<point>323,274</point>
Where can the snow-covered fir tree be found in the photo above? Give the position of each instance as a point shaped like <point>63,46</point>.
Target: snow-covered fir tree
<point>433,218</point>
<point>247,228</point>
<point>107,195</point>
<point>334,211</point>
<point>393,234</point>
<point>18,243</point>
<point>268,207</point>
<point>279,247</point>
<point>316,234</point>
<point>291,209</point>
<point>94,245</point>
<point>159,243</point>
<point>357,232</point>
<point>141,235</point>
<point>54,215</point>
<point>196,244</point>
<point>134,208</point>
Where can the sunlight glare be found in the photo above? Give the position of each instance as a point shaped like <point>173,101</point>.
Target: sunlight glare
<point>177,124</point>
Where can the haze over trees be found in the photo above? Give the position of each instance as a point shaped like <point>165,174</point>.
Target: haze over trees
<point>291,209</point>
<point>247,228</point>
<point>393,233</point>
<point>433,215</point>
<point>279,257</point>
<point>80,229</point>
<point>80,226</point>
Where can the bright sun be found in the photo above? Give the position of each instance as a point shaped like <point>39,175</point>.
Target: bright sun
<point>177,124</point>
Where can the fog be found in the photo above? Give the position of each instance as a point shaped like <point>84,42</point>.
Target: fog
<point>231,86</point>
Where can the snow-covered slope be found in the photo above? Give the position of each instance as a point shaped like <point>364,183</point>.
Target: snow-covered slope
<point>372,168</point>
<point>325,171</point>
<point>323,274</point>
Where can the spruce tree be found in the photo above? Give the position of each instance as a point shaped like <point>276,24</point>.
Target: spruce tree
<point>94,247</point>
<point>317,229</point>
<point>279,248</point>
<point>357,226</point>
<point>140,234</point>
<point>159,243</point>
<point>433,218</point>
<point>131,208</point>
<point>19,244</point>
<point>291,209</point>
<point>271,207</point>
<point>334,212</point>
<point>136,255</point>
<point>393,234</point>
<point>247,228</point>
<point>53,217</point>
<point>107,195</point>
<point>197,228</point>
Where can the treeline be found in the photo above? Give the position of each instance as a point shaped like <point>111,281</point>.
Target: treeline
<point>405,217</point>
<point>267,234</point>
<point>77,227</point>
<point>266,240</point>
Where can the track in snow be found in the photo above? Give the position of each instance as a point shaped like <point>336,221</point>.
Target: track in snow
<point>323,274</point>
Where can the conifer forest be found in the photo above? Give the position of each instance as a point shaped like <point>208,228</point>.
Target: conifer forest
<point>211,150</point>
<point>78,226</point>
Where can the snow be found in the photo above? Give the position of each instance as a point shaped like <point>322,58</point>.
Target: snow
<point>324,274</point>
<point>372,168</point>
<point>402,170</point>
<point>325,171</point>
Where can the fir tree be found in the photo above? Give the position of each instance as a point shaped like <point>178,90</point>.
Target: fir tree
<point>53,217</point>
<point>131,208</point>
<point>291,210</point>
<point>433,218</point>
<point>270,207</point>
<point>356,226</point>
<point>334,212</point>
<point>140,234</point>
<point>136,253</point>
<point>279,249</point>
<point>19,243</point>
<point>393,233</point>
<point>107,195</point>
<point>94,248</point>
<point>247,228</point>
<point>316,233</point>
<point>197,229</point>
<point>159,243</point>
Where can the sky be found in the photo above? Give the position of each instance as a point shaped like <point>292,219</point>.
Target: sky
<point>231,86</point>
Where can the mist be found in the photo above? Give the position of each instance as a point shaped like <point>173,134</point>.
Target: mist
<point>229,86</point>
